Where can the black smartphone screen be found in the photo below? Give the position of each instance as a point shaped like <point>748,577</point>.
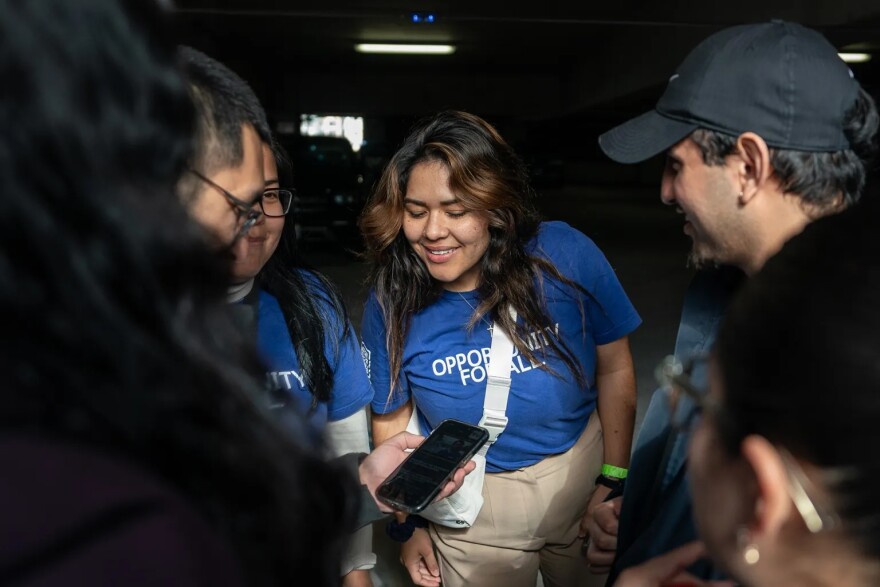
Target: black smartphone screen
<point>418,480</point>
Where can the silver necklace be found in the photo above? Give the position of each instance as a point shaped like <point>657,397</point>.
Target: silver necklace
<point>488,324</point>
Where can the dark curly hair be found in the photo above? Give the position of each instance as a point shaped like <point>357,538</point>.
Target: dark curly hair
<point>115,327</point>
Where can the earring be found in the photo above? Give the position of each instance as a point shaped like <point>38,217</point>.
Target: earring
<point>749,549</point>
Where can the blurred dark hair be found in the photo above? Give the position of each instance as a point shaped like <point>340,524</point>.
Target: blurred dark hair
<point>224,102</point>
<point>486,176</point>
<point>115,327</point>
<point>798,354</point>
<point>302,292</point>
<point>827,181</point>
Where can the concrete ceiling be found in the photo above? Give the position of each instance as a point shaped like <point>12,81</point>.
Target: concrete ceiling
<point>530,60</point>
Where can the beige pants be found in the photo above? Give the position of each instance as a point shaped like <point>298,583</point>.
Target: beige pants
<point>529,520</point>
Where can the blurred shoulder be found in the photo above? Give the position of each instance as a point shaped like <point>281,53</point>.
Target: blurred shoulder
<point>78,513</point>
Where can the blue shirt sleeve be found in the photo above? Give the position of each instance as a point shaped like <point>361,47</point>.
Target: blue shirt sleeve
<point>609,312</point>
<point>351,385</point>
<point>375,355</point>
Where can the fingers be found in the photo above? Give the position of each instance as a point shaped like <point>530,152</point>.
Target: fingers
<point>405,440</point>
<point>603,525</point>
<point>603,541</point>
<point>430,562</point>
<point>661,569</point>
<point>675,561</point>
<point>448,489</point>
<point>417,555</point>
<point>457,480</point>
<point>607,516</point>
<point>584,526</point>
<point>599,561</point>
<point>420,575</point>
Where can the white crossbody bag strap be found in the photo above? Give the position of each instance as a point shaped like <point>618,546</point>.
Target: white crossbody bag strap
<point>497,384</point>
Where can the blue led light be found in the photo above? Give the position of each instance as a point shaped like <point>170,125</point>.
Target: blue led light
<point>422,17</point>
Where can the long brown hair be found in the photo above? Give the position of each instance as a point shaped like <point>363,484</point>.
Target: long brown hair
<point>486,176</point>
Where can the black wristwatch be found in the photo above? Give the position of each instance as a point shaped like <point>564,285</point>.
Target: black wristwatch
<point>403,531</point>
<point>613,483</point>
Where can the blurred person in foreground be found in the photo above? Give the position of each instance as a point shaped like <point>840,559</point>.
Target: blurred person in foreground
<point>783,456</point>
<point>764,130</point>
<point>133,448</point>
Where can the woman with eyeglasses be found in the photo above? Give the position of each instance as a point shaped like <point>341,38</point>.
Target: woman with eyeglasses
<point>785,458</point>
<point>309,345</point>
<point>302,326</point>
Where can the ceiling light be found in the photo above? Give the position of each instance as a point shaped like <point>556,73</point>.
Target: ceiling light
<point>405,49</point>
<point>855,57</point>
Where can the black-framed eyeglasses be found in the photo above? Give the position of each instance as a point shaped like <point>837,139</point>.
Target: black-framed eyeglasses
<point>676,379</point>
<point>276,202</point>
<point>246,213</point>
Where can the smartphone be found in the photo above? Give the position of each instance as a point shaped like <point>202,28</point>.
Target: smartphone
<point>417,481</point>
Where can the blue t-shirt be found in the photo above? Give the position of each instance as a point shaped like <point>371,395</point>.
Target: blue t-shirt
<point>351,386</point>
<point>444,365</point>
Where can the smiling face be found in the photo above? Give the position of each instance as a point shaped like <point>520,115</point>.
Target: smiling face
<point>707,196</point>
<point>253,250</point>
<point>450,240</point>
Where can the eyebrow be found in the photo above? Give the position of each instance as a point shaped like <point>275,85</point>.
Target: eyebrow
<point>424,205</point>
<point>273,180</point>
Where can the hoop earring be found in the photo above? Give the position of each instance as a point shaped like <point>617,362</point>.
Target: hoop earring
<point>750,553</point>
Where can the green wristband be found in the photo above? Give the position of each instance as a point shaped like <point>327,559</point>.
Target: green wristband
<point>614,472</point>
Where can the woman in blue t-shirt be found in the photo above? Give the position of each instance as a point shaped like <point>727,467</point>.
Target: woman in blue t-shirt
<point>453,241</point>
<point>320,368</point>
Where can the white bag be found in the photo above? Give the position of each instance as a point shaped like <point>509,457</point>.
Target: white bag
<point>460,509</point>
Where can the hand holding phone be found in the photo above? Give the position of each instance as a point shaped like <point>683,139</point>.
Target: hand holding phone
<point>424,473</point>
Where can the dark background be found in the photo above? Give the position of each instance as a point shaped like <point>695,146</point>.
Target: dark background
<point>551,76</point>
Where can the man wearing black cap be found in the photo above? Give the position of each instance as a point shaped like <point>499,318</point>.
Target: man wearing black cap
<point>765,130</point>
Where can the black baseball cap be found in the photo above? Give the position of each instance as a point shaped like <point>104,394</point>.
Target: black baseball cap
<point>778,79</point>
